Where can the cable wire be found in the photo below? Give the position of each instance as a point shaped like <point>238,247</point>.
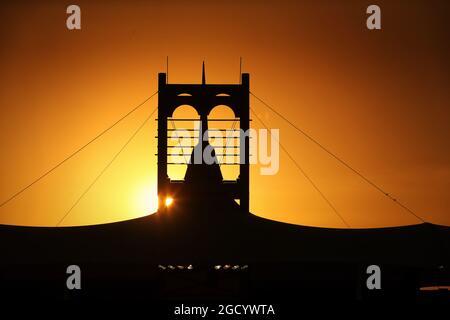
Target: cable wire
<point>304,173</point>
<point>224,151</point>
<point>370,182</point>
<point>186,160</point>
<point>105,168</point>
<point>75,152</point>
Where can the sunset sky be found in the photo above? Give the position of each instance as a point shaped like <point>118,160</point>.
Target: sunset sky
<point>378,99</point>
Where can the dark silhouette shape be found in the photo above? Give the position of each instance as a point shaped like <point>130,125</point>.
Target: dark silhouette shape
<point>207,246</point>
<point>203,97</point>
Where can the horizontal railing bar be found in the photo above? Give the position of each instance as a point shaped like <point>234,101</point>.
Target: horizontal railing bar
<point>217,154</point>
<point>220,147</point>
<point>223,181</point>
<point>198,119</point>
<point>185,129</point>
<point>184,163</point>
<point>233,137</point>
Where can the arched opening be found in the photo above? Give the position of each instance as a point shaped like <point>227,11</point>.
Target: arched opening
<point>184,95</point>
<point>224,137</point>
<point>222,95</point>
<point>182,136</point>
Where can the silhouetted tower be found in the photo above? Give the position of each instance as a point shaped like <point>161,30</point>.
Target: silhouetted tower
<point>203,179</point>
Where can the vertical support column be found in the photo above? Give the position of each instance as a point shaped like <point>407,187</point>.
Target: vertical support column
<point>244,175</point>
<point>162,141</point>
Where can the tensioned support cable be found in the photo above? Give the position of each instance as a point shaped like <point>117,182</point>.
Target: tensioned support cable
<point>304,173</point>
<point>179,141</point>
<point>105,168</point>
<point>15,195</point>
<point>348,166</point>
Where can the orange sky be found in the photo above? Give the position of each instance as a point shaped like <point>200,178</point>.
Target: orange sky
<point>378,99</point>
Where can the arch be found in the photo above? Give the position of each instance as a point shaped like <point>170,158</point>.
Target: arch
<point>184,94</point>
<point>184,139</point>
<point>220,139</point>
<point>221,111</point>
<point>223,95</point>
<point>185,111</point>
<point>224,101</point>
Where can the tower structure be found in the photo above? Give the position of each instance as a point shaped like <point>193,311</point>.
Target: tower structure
<point>203,179</point>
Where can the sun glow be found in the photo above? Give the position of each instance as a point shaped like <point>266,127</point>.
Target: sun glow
<point>147,200</point>
<point>168,202</point>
